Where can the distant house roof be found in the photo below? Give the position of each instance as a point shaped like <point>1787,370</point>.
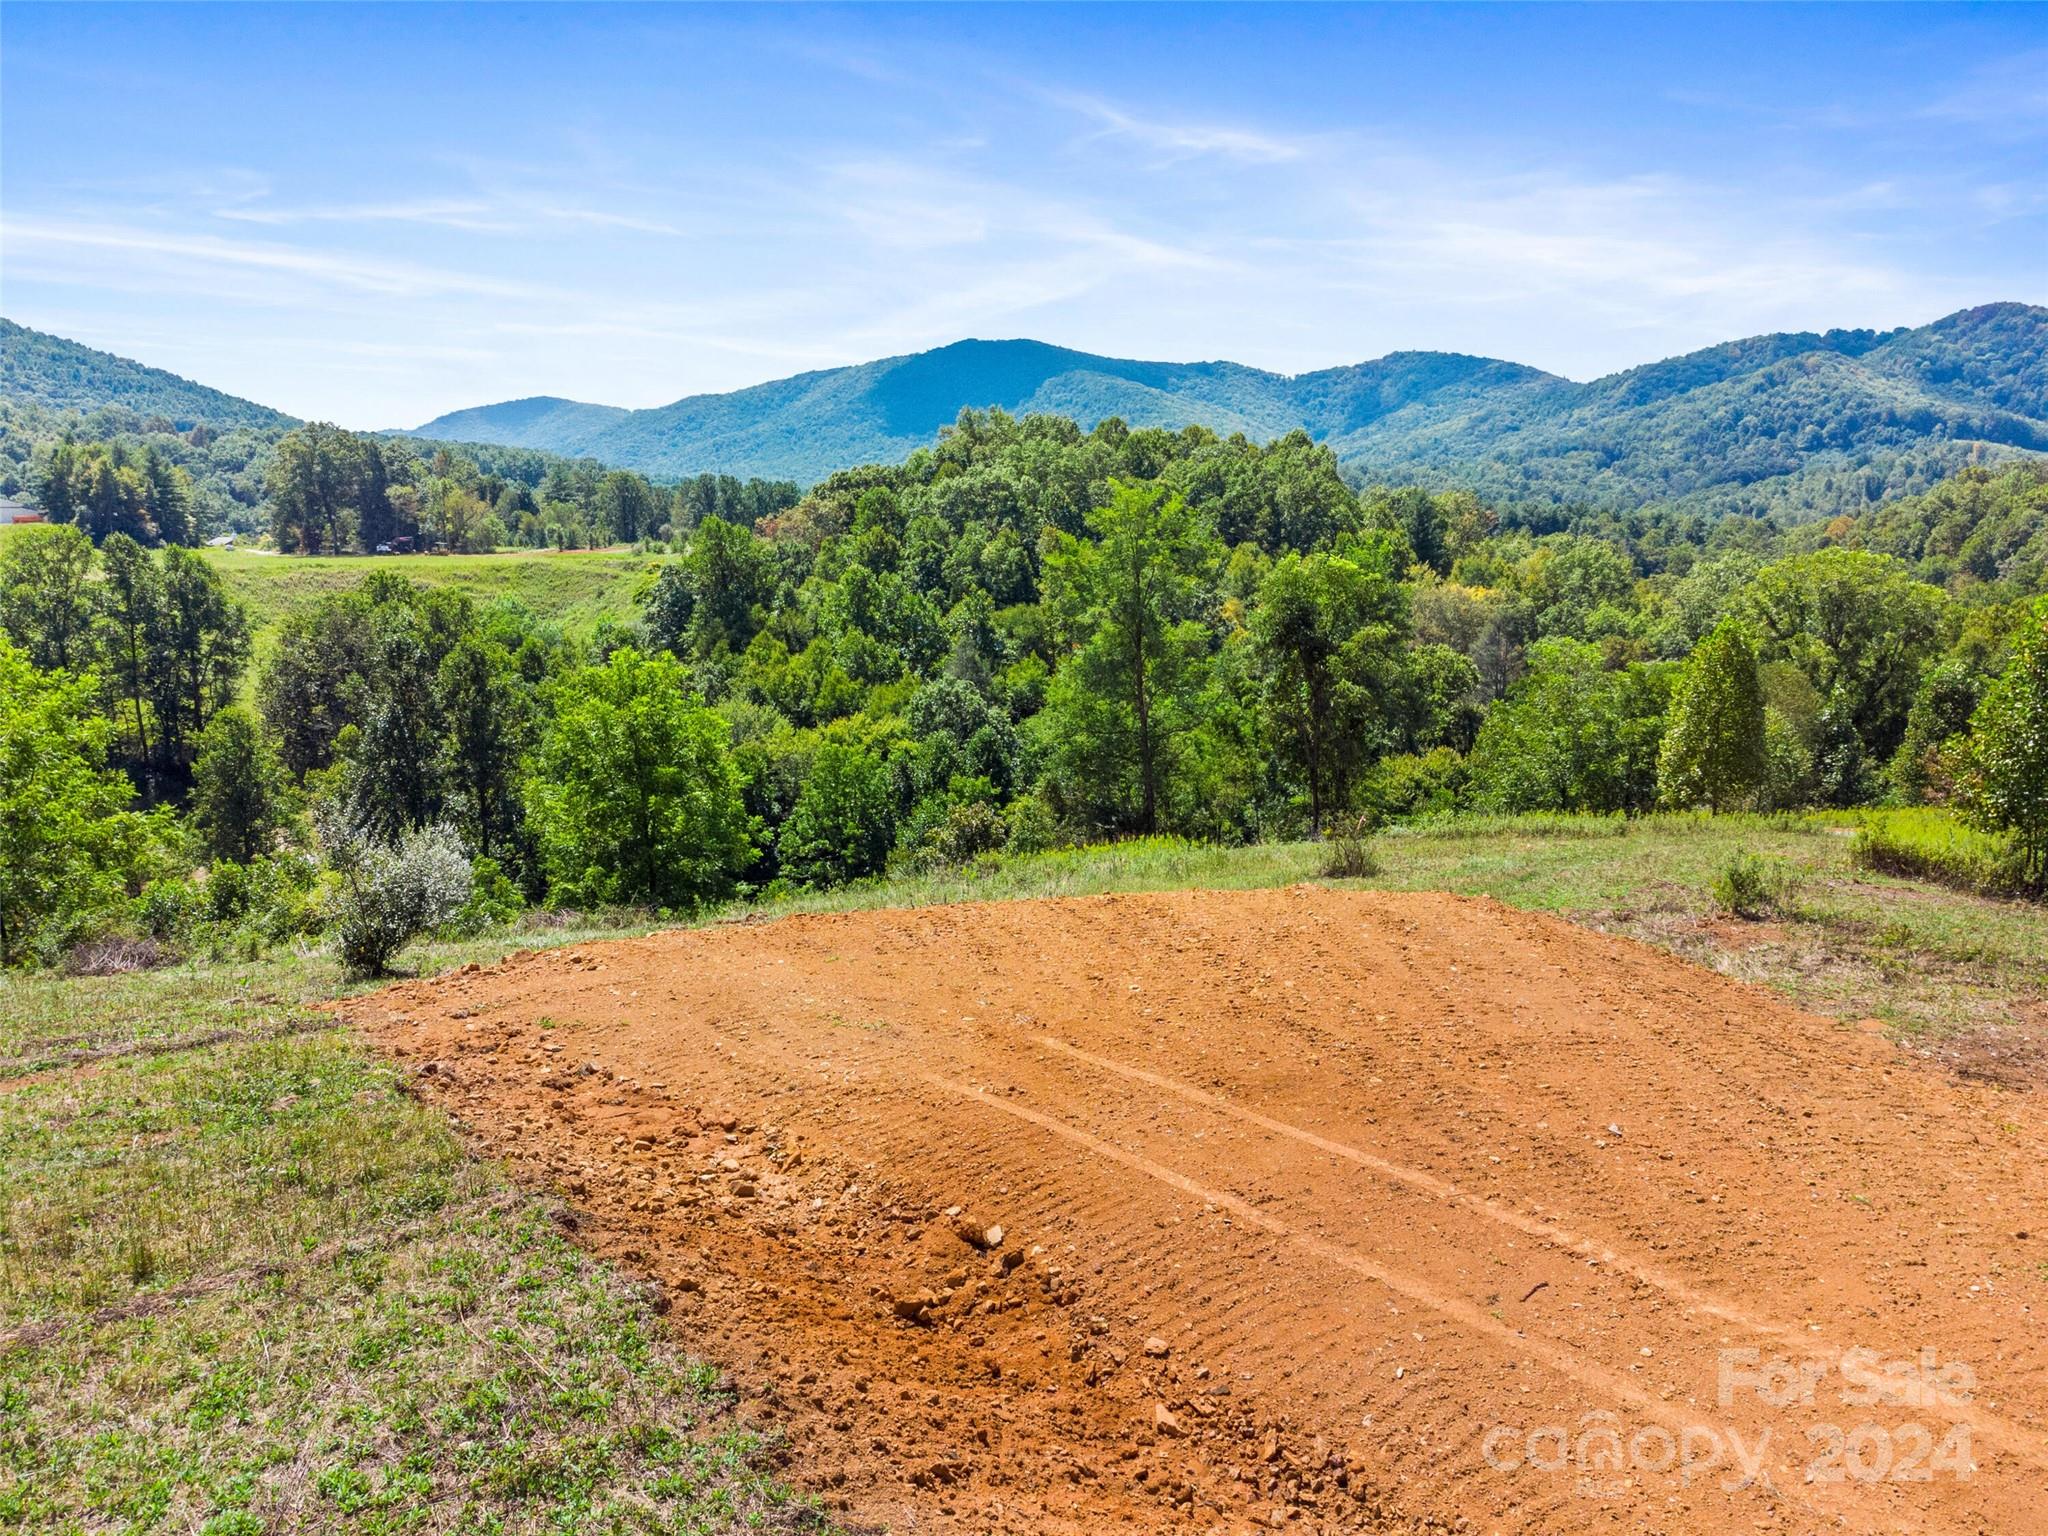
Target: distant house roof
<point>12,511</point>
<point>225,541</point>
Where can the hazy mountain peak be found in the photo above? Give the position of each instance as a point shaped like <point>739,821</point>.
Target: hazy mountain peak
<point>1802,423</point>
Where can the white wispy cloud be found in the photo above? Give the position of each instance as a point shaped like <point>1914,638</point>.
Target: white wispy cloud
<point>1658,255</point>
<point>623,259</point>
<point>445,213</point>
<point>477,215</point>
<point>338,269</point>
<point>2009,95</point>
<point>1182,138</point>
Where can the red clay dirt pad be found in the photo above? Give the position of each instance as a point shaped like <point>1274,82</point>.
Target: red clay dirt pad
<point>1329,1210</point>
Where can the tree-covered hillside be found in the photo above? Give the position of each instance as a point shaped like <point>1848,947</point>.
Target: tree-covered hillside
<point>542,421</point>
<point>1796,425</point>
<point>46,370</point>
<point>1022,636</point>
<point>114,446</point>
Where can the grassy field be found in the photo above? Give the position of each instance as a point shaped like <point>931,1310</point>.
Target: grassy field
<point>576,589</point>
<point>247,1284</point>
<point>1959,975</point>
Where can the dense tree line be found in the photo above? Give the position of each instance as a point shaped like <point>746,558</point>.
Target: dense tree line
<point>340,492</point>
<point>317,488</point>
<point>1024,635</point>
<point>157,632</point>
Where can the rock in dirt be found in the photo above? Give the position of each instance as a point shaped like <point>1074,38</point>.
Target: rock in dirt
<point>914,1306</point>
<point>973,1236</point>
<point>1166,1422</point>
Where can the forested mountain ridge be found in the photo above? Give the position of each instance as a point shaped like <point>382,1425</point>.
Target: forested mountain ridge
<point>1796,424</point>
<point>55,392</point>
<point>46,370</point>
<point>525,423</point>
<point>816,423</point>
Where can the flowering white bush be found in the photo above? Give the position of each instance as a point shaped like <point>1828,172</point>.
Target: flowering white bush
<point>390,894</point>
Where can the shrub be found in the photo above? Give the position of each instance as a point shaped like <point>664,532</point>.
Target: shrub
<point>2009,751</point>
<point>390,894</point>
<point>1033,828</point>
<point>1348,855</point>
<point>1407,787</point>
<point>953,827</point>
<point>971,828</point>
<point>169,910</point>
<point>493,900</point>
<point>227,892</point>
<point>843,822</point>
<point>1749,886</point>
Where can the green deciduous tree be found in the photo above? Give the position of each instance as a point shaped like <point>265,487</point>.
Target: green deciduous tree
<point>1327,636</point>
<point>1573,735</point>
<point>729,575</point>
<point>1713,751</point>
<point>331,490</point>
<point>627,508</point>
<point>129,602</point>
<point>60,807</point>
<point>45,596</point>
<point>634,795</point>
<point>2009,748</point>
<point>199,645</point>
<point>483,707</point>
<point>311,688</point>
<point>1129,605</point>
<point>1858,625</point>
<point>240,795</point>
<point>1950,692</point>
<point>843,821</point>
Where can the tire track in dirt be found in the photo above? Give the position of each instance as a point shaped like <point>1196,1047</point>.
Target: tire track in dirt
<point>1377,1174</point>
<point>1564,1361</point>
<point>2024,1442</point>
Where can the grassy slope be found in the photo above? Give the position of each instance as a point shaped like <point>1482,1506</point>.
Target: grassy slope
<point>247,1283</point>
<point>573,588</point>
<point>576,589</point>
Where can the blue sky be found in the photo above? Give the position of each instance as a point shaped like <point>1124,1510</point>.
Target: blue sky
<point>376,214</point>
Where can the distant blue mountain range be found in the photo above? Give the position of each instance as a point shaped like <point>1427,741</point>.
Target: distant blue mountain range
<point>1800,422</point>
<point>1797,424</point>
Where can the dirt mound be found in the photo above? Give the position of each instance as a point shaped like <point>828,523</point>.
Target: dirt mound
<point>1330,1210</point>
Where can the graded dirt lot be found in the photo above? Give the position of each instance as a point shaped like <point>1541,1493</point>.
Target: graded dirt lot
<point>1317,1209</point>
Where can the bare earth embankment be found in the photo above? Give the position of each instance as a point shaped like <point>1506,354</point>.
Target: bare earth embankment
<point>1317,1208</point>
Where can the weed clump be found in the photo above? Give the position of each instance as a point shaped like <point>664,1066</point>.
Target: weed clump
<point>1925,843</point>
<point>1753,887</point>
<point>1349,853</point>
